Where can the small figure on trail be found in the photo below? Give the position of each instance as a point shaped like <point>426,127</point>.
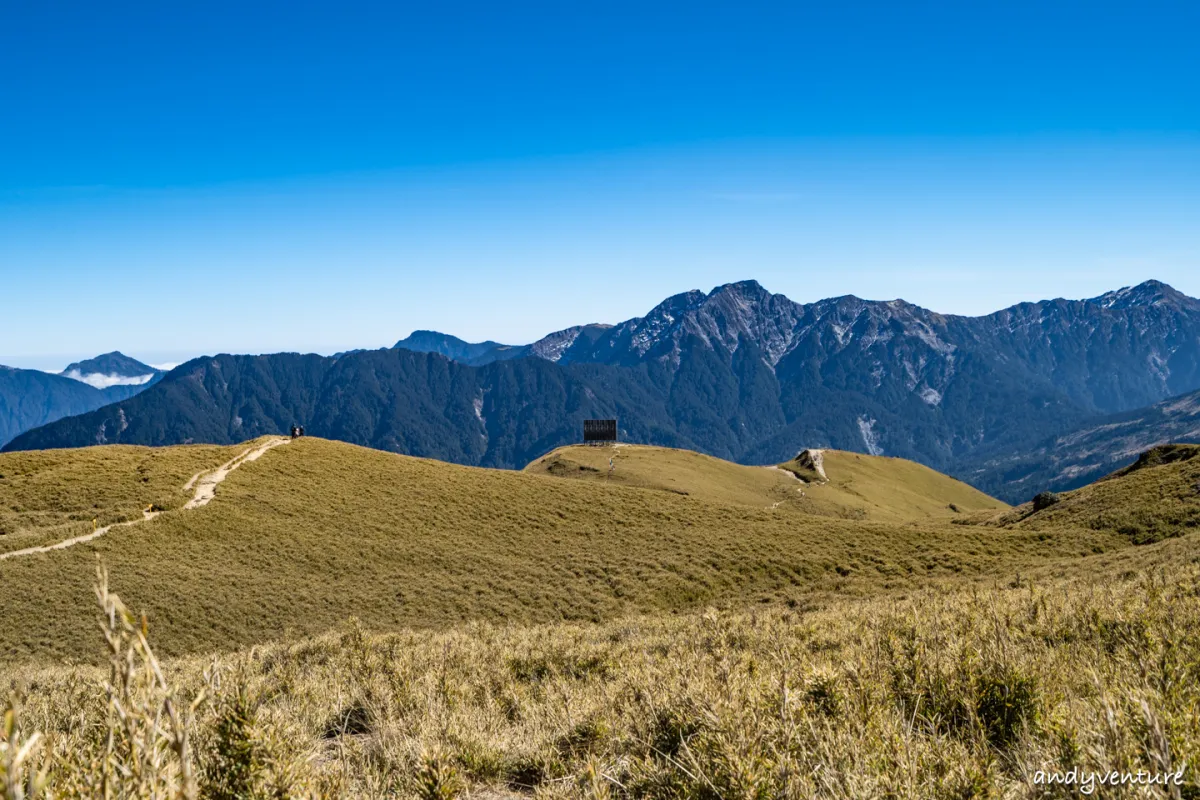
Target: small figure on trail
<point>295,431</point>
<point>301,430</point>
<point>611,467</point>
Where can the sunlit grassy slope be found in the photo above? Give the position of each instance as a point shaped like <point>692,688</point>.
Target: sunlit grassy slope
<point>682,472</point>
<point>50,495</point>
<point>858,486</point>
<point>318,531</point>
<point>1158,497</point>
<point>928,658</point>
<point>942,692</point>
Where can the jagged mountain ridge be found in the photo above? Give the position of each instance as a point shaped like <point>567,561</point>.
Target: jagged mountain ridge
<point>1056,362</point>
<point>739,373</point>
<point>1150,325</point>
<point>477,354</point>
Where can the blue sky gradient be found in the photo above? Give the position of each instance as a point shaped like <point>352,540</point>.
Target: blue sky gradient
<point>312,177</point>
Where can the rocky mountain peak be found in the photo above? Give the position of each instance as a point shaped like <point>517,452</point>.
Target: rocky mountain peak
<point>745,310</point>
<point>747,289</point>
<point>553,346</point>
<point>1148,294</point>
<point>677,304</point>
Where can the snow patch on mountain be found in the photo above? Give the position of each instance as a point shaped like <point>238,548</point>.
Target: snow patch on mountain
<point>1149,294</point>
<point>552,346</point>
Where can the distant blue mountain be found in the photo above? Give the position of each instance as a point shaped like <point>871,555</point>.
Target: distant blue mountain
<point>111,369</point>
<point>30,398</point>
<point>472,353</point>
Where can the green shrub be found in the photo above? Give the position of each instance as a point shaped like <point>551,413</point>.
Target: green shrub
<point>437,779</point>
<point>671,728</point>
<point>1044,500</point>
<point>1006,703</point>
<point>236,766</point>
<point>823,694</point>
<point>585,737</point>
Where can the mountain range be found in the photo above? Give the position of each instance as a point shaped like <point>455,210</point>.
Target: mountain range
<point>737,372</point>
<point>30,398</point>
<point>476,354</point>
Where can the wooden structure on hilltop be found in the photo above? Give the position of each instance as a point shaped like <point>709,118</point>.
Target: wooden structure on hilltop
<point>599,430</point>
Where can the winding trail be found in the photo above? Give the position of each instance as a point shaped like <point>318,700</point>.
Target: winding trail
<point>204,483</point>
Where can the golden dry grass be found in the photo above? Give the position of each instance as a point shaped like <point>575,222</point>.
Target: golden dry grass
<point>890,489</point>
<point>858,487</point>
<point>1153,500</point>
<point>556,638</point>
<point>317,531</point>
<point>51,495</point>
<point>959,693</point>
<point>682,472</point>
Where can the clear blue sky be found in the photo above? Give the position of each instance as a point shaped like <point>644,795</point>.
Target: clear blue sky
<point>261,177</point>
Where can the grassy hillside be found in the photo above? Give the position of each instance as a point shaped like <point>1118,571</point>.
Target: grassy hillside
<point>682,472</point>
<point>858,486</point>
<point>318,531</point>
<point>891,489</point>
<point>1155,498</point>
<point>927,694</point>
<point>891,659</point>
<point>52,495</point>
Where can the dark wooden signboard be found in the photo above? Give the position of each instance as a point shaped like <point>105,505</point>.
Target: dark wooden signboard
<point>599,430</point>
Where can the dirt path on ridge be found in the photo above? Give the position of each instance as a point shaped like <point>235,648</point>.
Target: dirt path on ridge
<point>205,484</point>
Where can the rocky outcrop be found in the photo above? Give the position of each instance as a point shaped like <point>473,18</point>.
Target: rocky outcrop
<point>813,461</point>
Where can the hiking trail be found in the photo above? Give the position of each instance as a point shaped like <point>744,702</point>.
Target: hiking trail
<point>205,489</point>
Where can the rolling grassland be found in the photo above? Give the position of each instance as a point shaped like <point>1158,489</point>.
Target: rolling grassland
<point>50,495</point>
<point>606,641</point>
<point>933,693</point>
<point>856,486</point>
<point>319,531</point>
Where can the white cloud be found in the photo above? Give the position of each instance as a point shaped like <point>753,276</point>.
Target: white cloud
<point>167,367</point>
<point>101,381</point>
